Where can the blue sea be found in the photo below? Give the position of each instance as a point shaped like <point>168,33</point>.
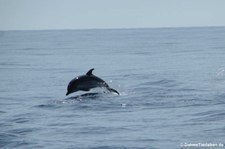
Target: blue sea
<point>171,83</point>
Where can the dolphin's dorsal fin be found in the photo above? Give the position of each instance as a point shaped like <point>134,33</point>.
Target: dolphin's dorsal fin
<point>89,73</point>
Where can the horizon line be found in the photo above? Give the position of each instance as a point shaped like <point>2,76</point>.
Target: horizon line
<point>113,28</point>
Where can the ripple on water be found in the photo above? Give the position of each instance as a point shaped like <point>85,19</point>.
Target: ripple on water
<point>7,138</point>
<point>87,101</point>
<point>118,147</point>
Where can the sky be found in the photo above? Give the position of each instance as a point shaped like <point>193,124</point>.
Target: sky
<point>92,14</point>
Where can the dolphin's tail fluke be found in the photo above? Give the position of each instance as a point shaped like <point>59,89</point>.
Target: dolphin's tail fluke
<point>112,90</point>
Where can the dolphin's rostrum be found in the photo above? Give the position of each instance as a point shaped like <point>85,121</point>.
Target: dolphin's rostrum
<point>87,82</point>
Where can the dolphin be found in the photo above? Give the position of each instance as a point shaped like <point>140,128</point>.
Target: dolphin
<point>87,82</point>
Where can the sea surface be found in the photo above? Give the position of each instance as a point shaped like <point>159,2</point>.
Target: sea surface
<point>171,83</point>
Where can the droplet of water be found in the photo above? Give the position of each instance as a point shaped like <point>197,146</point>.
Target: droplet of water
<point>123,105</point>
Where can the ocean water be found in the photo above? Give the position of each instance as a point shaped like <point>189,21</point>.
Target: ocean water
<point>171,81</point>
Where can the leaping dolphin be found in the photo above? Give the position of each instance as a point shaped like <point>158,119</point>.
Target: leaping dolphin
<point>87,82</point>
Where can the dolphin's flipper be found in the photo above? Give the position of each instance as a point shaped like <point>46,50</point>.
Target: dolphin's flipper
<point>112,90</point>
<point>89,73</point>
